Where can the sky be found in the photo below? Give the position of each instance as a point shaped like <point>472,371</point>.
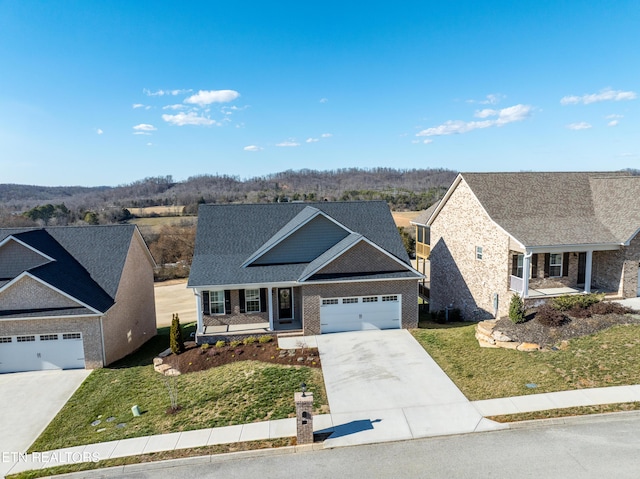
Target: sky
<point>109,92</point>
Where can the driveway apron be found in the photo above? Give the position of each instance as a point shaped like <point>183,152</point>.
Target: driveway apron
<point>383,386</point>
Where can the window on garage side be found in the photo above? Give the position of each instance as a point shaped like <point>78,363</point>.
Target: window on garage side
<point>370,299</point>
<point>71,336</point>
<point>349,300</point>
<point>392,297</point>
<point>48,337</point>
<point>5,340</point>
<point>329,301</point>
<point>25,339</point>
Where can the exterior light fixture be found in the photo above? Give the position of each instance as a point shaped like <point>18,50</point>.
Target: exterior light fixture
<point>303,386</point>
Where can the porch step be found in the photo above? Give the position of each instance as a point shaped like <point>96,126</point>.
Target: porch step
<point>291,334</point>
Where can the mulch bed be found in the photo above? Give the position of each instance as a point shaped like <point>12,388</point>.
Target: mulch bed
<point>532,331</point>
<point>197,359</point>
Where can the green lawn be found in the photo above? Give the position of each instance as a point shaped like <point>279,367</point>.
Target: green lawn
<point>237,393</point>
<point>608,358</point>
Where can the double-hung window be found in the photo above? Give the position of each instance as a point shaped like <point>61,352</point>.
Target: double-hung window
<point>520,266</point>
<point>252,300</point>
<point>555,264</point>
<point>216,301</point>
<point>479,252</point>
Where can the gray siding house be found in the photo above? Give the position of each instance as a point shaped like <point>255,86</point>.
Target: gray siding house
<point>535,234</point>
<point>73,297</point>
<point>308,267</point>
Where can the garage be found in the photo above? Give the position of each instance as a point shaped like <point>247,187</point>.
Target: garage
<point>358,313</point>
<point>38,352</point>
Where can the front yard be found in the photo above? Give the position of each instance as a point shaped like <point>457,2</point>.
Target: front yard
<point>607,358</point>
<point>237,393</point>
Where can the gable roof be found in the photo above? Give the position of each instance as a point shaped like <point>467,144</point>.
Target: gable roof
<point>229,237</point>
<point>559,208</point>
<point>424,215</point>
<point>87,260</point>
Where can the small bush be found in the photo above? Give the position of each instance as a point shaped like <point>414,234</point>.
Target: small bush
<point>235,343</point>
<point>265,339</point>
<point>205,346</point>
<point>516,309</point>
<point>176,343</point>
<point>578,312</point>
<point>249,340</point>
<point>608,308</point>
<point>221,344</point>
<point>547,315</point>
<point>567,302</point>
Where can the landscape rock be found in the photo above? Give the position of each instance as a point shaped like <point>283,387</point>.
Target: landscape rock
<point>485,327</point>
<point>485,338</point>
<point>157,361</point>
<point>484,344</point>
<point>507,344</point>
<point>527,347</point>
<point>499,336</point>
<point>161,368</point>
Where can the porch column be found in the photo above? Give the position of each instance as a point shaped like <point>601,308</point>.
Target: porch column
<point>587,272</point>
<point>270,301</point>
<point>200,327</point>
<point>526,266</point>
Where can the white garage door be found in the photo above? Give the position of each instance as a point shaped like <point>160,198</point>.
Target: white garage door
<point>37,352</point>
<point>361,312</point>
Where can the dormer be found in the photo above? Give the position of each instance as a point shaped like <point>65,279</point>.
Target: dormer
<point>16,257</point>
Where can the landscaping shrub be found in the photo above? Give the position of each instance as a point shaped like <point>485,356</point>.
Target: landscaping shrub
<point>579,312</point>
<point>567,302</point>
<point>205,346</point>
<point>547,315</point>
<point>608,308</point>
<point>249,340</point>
<point>516,309</point>
<point>265,339</point>
<point>235,343</point>
<point>221,343</point>
<point>176,343</point>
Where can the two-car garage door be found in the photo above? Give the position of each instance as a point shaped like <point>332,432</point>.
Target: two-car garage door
<point>360,312</point>
<point>36,352</point>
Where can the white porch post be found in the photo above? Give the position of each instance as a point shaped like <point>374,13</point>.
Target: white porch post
<point>270,301</point>
<point>526,266</point>
<point>198,296</point>
<point>587,272</point>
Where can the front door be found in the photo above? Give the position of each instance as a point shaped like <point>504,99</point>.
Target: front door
<point>582,266</point>
<point>285,304</point>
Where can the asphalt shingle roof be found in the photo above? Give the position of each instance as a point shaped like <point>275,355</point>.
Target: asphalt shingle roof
<point>424,215</point>
<point>540,209</point>
<point>229,234</point>
<point>88,259</point>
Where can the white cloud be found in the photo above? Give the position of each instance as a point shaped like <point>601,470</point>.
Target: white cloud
<point>605,95</point>
<point>99,131</point>
<point>149,144</point>
<point>326,135</point>
<point>148,92</point>
<point>312,140</point>
<point>144,127</point>
<point>252,148</point>
<point>485,113</point>
<point>583,125</point>
<point>206,97</point>
<point>141,133</point>
<point>137,105</point>
<point>613,123</point>
<point>178,106</point>
<point>427,141</point>
<point>504,116</point>
<point>324,100</point>
<point>191,118</point>
<point>491,99</point>
<point>288,143</point>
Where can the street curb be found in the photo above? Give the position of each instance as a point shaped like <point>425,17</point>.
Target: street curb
<point>588,418</point>
<point>195,460</point>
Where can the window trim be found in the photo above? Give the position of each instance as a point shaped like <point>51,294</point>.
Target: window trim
<point>247,301</point>
<point>220,295</point>
<point>555,265</point>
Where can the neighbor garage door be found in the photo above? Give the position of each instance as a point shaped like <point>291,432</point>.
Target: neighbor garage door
<point>37,352</point>
<point>358,313</point>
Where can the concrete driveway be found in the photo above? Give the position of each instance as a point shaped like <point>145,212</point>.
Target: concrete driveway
<point>30,401</point>
<point>383,386</point>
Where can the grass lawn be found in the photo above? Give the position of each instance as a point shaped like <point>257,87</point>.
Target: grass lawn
<point>608,358</point>
<point>236,393</point>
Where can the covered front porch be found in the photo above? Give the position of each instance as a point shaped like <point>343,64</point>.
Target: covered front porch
<point>549,272</point>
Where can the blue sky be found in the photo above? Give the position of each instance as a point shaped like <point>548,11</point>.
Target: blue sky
<point>108,92</point>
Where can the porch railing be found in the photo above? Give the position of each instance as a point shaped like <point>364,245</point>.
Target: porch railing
<point>516,284</point>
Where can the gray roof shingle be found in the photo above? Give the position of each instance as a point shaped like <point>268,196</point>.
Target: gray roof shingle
<point>541,209</point>
<point>228,235</point>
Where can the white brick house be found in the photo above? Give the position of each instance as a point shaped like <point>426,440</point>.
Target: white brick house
<point>535,234</point>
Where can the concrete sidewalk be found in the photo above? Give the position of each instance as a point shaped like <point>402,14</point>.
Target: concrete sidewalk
<point>287,428</point>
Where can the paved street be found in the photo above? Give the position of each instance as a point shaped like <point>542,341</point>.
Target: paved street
<point>585,448</point>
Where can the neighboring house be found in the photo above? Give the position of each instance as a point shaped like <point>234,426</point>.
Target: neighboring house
<point>423,240</point>
<point>73,297</point>
<point>535,234</point>
<point>313,267</point>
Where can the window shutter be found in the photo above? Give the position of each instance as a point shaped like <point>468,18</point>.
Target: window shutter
<point>242,303</point>
<point>227,301</point>
<point>565,264</point>
<point>206,307</point>
<point>547,261</point>
<point>263,300</point>
<point>534,265</point>
<point>514,265</point>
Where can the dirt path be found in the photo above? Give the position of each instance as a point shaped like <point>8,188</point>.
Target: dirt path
<point>174,297</point>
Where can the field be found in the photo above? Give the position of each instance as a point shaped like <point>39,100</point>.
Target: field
<point>402,218</point>
<point>158,210</point>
